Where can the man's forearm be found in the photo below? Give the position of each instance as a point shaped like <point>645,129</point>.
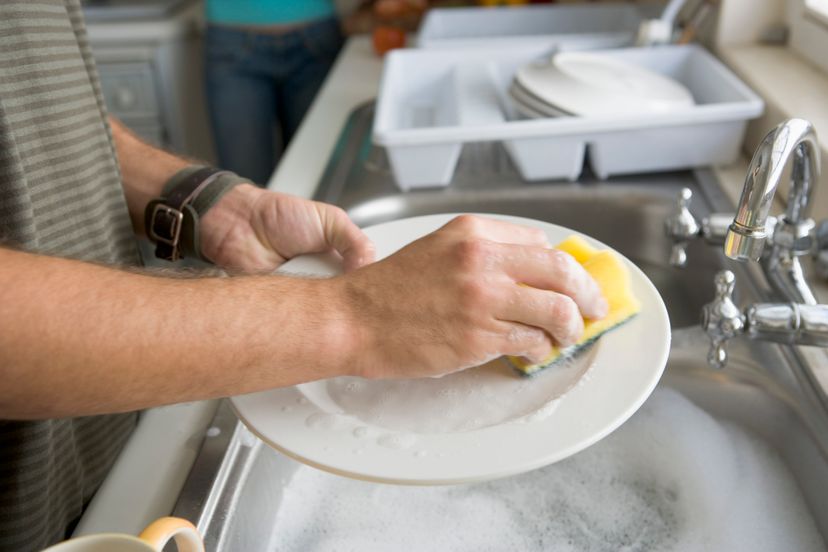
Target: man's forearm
<point>158,340</point>
<point>144,169</point>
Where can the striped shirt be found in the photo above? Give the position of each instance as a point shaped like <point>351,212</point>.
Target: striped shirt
<point>60,194</point>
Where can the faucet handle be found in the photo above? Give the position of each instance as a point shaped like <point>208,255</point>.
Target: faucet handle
<point>678,255</point>
<point>681,226</point>
<point>722,319</point>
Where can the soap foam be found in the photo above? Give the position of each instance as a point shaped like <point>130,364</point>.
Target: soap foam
<point>671,479</point>
<point>483,396</point>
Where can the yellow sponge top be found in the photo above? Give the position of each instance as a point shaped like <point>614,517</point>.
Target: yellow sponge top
<point>613,279</point>
<point>577,247</point>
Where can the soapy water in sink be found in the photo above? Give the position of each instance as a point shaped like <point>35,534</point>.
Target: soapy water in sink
<point>671,479</point>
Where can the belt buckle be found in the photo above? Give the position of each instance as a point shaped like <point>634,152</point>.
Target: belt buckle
<point>174,223</point>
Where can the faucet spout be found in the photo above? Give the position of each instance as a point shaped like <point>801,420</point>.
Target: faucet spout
<point>794,140</point>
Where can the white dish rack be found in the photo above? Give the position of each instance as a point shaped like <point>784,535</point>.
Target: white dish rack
<point>431,102</point>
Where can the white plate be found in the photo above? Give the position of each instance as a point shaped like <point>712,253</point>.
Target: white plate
<point>482,423</point>
<point>530,106</point>
<point>590,84</point>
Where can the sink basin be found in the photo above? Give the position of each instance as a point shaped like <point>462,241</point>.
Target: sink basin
<point>238,485</point>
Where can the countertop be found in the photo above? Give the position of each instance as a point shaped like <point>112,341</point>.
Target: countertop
<point>158,457</point>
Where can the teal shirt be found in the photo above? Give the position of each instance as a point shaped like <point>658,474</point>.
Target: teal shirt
<point>267,12</point>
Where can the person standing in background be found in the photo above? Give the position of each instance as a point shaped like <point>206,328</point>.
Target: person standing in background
<point>265,61</point>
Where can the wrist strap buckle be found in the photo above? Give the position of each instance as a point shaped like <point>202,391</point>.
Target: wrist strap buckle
<point>165,225</point>
<point>172,222</point>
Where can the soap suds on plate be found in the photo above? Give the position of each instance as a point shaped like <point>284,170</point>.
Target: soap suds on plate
<point>671,479</point>
<point>481,397</point>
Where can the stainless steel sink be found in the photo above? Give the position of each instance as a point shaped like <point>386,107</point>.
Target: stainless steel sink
<point>235,488</point>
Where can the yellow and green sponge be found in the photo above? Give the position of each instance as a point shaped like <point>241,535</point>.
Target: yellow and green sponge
<point>613,279</point>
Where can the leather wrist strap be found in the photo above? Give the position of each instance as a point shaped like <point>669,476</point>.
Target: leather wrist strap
<point>172,222</point>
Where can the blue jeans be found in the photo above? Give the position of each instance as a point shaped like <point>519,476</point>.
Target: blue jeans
<point>259,87</point>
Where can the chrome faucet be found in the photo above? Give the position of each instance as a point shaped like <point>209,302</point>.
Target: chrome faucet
<point>793,235</point>
<point>744,234</point>
<point>682,228</point>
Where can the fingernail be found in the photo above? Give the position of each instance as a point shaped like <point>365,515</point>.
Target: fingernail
<point>572,338</point>
<point>575,332</point>
<point>601,308</point>
<point>353,264</point>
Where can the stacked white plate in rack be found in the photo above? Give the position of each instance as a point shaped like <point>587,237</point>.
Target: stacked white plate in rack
<point>588,85</point>
<point>638,110</point>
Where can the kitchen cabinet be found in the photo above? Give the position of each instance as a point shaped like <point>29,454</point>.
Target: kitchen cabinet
<point>150,64</point>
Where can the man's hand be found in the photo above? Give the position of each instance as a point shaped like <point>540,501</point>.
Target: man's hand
<point>452,300</point>
<point>254,231</point>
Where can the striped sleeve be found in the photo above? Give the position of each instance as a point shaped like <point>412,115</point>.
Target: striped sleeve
<point>60,194</point>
